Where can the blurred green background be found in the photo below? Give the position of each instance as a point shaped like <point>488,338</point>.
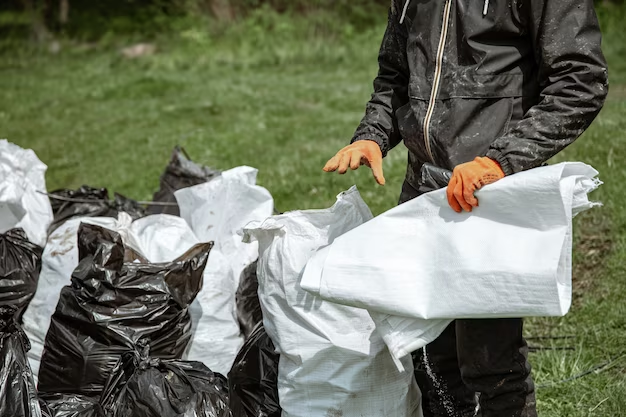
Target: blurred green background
<point>103,90</point>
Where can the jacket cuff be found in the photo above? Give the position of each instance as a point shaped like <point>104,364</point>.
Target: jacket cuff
<point>502,160</point>
<point>375,137</point>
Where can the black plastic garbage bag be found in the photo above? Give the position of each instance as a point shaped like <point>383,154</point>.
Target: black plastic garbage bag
<point>433,178</point>
<point>20,265</point>
<point>150,387</point>
<point>18,395</point>
<point>69,405</point>
<point>128,205</point>
<point>180,173</point>
<point>93,202</point>
<point>111,304</point>
<point>247,299</point>
<point>253,379</point>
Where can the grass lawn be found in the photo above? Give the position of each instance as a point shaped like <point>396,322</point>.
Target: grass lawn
<point>284,101</point>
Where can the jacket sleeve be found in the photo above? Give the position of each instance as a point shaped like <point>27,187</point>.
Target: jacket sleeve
<point>573,83</point>
<point>390,87</point>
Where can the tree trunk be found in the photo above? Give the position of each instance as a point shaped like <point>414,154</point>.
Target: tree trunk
<point>40,31</point>
<point>222,9</point>
<point>64,12</point>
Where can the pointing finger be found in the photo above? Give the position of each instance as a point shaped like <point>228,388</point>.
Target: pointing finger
<point>332,164</point>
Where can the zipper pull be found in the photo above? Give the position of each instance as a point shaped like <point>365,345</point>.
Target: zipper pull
<point>486,8</point>
<point>406,7</point>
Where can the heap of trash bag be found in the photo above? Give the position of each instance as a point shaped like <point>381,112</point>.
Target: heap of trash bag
<point>109,308</point>
<point>204,303</point>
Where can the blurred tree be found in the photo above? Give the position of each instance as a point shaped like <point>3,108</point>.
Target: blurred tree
<point>222,9</point>
<point>35,10</point>
<point>91,19</point>
<point>64,11</point>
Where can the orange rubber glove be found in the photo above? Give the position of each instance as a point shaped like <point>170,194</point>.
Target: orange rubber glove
<point>361,152</point>
<point>469,177</point>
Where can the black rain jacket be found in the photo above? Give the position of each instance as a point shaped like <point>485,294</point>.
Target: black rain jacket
<point>514,80</point>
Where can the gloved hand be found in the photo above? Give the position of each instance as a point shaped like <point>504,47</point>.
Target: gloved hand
<point>361,152</point>
<point>469,177</point>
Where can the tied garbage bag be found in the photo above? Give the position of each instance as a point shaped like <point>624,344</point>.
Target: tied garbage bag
<point>59,259</point>
<point>20,264</point>
<point>90,202</point>
<point>93,204</point>
<point>211,312</point>
<point>332,360</point>
<point>420,265</point>
<point>217,211</point>
<point>116,299</point>
<point>18,396</point>
<point>22,182</point>
<point>151,387</point>
<point>247,299</point>
<point>180,173</point>
<point>160,238</point>
<point>253,381</point>
<point>70,405</point>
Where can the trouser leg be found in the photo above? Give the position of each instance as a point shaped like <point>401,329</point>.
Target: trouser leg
<point>493,361</point>
<point>444,388</point>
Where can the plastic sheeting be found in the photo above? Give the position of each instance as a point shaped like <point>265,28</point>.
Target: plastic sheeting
<point>332,360</point>
<point>217,211</point>
<point>253,381</point>
<point>20,264</point>
<point>22,175</point>
<point>420,265</point>
<point>115,300</point>
<point>18,396</point>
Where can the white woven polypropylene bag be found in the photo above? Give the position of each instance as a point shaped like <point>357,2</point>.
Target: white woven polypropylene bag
<point>22,182</point>
<point>332,360</point>
<point>217,211</point>
<point>420,265</point>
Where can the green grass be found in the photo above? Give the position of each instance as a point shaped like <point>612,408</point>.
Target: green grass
<point>283,96</point>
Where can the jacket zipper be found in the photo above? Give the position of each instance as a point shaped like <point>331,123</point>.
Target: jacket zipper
<point>437,79</point>
<point>404,10</point>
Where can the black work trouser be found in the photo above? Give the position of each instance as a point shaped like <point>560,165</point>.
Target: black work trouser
<point>477,362</point>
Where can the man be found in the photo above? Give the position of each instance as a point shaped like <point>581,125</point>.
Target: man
<point>486,88</point>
